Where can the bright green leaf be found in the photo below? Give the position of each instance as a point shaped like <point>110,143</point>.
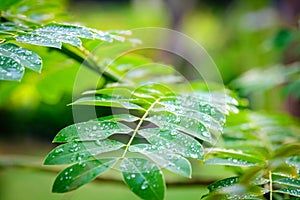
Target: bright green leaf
<point>24,56</point>
<point>10,69</point>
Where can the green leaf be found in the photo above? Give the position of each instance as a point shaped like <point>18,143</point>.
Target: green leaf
<point>143,178</point>
<point>79,174</point>
<point>74,152</point>
<point>112,91</point>
<point>287,150</point>
<point>175,141</point>
<point>205,105</point>
<point>236,154</point>
<point>24,56</point>
<point>107,102</point>
<point>91,130</point>
<point>196,115</point>
<point>39,40</point>
<point>288,181</point>
<point>53,35</point>
<point>12,27</point>
<point>237,191</point>
<point>64,30</point>
<point>164,158</point>
<point>290,190</point>
<point>229,162</point>
<point>223,183</point>
<point>10,69</point>
<point>184,124</point>
<point>119,117</point>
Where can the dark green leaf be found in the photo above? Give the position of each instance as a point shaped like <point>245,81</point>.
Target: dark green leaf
<point>184,124</point>
<point>108,102</point>
<point>174,141</point>
<point>290,190</point>
<point>164,158</point>
<point>143,178</point>
<point>223,183</point>
<point>91,130</point>
<point>288,181</point>
<point>74,152</point>
<point>79,174</point>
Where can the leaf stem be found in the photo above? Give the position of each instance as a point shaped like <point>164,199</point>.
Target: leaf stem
<point>271,185</point>
<point>138,127</point>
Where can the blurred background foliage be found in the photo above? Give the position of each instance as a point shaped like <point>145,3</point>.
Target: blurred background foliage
<point>260,36</point>
<point>238,35</point>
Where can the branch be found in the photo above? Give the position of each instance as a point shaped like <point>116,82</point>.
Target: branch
<point>23,162</point>
<point>90,63</point>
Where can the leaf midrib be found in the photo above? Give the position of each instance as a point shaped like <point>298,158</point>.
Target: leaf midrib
<point>138,127</point>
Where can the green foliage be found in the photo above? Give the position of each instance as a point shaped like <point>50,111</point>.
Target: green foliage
<point>157,123</point>
<point>14,58</point>
<point>162,130</point>
<point>255,80</point>
<point>50,35</point>
<point>264,151</point>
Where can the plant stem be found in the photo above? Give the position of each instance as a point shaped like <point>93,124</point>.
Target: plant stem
<point>90,62</point>
<point>137,128</point>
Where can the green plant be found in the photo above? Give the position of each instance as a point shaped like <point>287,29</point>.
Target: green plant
<point>157,122</point>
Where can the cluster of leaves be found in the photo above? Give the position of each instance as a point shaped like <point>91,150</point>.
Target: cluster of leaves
<point>14,58</point>
<point>156,129</point>
<point>264,152</point>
